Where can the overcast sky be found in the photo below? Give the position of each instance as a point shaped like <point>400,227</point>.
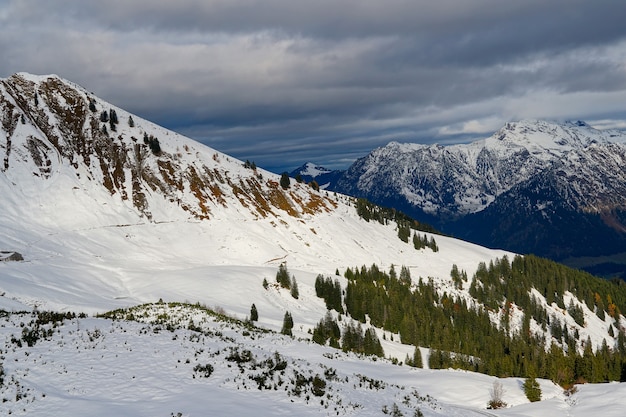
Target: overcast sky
<point>283,82</point>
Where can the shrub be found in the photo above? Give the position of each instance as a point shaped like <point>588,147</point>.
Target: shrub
<point>496,392</point>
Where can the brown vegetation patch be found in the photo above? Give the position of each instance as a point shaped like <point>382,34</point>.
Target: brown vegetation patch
<point>168,173</point>
<point>197,186</point>
<point>39,153</point>
<point>278,199</point>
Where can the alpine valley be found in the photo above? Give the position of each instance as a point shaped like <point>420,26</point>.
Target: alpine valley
<point>557,190</point>
<point>145,274</point>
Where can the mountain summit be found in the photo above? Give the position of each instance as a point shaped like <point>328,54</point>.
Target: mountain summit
<point>59,136</point>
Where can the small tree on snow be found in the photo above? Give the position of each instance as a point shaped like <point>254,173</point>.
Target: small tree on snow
<point>532,389</point>
<point>496,393</point>
<point>295,293</point>
<point>254,314</point>
<point>287,324</point>
<point>282,276</point>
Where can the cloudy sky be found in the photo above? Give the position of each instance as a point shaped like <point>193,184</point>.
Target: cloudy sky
<point>283,82</point>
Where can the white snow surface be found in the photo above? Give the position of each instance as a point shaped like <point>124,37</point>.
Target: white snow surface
<point>88,251</point>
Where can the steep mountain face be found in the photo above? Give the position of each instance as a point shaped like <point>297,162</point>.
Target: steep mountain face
<point>533,186</point>
<point>56,133</point>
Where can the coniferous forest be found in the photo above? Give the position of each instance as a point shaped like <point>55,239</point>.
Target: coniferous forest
<point>476,333</point>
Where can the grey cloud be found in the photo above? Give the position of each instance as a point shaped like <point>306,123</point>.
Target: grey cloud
<point>285,81</point>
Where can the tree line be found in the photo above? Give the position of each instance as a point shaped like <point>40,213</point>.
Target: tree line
<point>463,335</point>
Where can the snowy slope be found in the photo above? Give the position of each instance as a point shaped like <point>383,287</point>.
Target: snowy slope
<point>103,223</point>
<point>179,359</point>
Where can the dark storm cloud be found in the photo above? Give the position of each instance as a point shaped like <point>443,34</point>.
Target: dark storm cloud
<point>286,81</point>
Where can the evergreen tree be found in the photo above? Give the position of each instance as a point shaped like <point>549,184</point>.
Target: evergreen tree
<point>327,330</point>
<point>294,288</point>
<point>92,106</point>
<point>265,283</point>
<point>417,358</point>
<point>254,314</point>
<point>285,182</point>
<point>404,231</point>
<point>131,122</point>
<point>532,389</point>
<point>287,324</point>
<point>155,146</point>
<point>113,117</point>
<point>282,276</point>
<point>352,339</point>
<point>104,117</point>
<point>371,343</point>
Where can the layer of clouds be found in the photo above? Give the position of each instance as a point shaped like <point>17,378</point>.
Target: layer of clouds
<point>282,82</point>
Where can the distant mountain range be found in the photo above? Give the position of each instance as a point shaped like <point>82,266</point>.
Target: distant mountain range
<point>554,189</point>
<point>325,178</point>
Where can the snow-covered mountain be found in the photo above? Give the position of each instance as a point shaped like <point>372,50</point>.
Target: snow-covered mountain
<point>520,189</point>
<point>325,178</point>
<point>109,211</point>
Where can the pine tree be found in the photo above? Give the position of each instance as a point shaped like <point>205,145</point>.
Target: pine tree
<point>254,314</point>
<point>285,182</point>
<point>113,117</point>
<point>282,276</point>
<point>371,344</point>
<point>417,358</point>
<point>287,324</point>
<point>131,122</point>
<point>294,288</point>
<point>532,389</point>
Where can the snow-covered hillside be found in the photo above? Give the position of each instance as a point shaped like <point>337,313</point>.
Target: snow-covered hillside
<point>103,221</point>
